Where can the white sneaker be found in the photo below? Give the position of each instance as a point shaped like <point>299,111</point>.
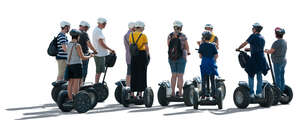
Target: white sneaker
<point>259,95</point>
<point>251,95</point>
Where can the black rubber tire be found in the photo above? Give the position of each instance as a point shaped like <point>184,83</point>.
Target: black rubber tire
<point>162,96</point>
<point>93,97</point>
<point>195,98</point>
<point>188,94</point>
<point>102,91</point>
<point>148,97</point>
<point>82,102</point>
<point>289,92</point>
<point>243,93</point>
<point>219,99</point>
<point>221,85</point>
<point>269,97</point>
<point>55,91</point>
<point>124,97</point>
<point>61,99</point>
<point>277,94</point>
<point>118,93</point>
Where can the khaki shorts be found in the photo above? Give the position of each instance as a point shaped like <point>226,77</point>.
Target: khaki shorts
<point>61,67</point>
<point>100,64</point>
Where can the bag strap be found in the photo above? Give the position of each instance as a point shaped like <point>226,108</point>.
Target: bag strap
<point>70,54</point>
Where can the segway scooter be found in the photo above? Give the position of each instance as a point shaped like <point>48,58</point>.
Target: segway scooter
<point>209,99</point>
<point>101,88</point>
<point>118,91</point>
<point>241,94</point>
<point>146,99</point>
<point>164,94</point>
<point>284,97</point>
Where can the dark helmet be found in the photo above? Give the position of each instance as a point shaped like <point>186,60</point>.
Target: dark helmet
<point>279,31</point>
<point>206,35</point>
<point>257,27</point>
<point>75,32</point>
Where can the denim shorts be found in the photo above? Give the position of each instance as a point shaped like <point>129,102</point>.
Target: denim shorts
<point>178,66</point>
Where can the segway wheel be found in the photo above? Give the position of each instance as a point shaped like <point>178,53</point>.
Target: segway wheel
<point>219,99</point>
<point>222,87</point>
<point>289,93</point>
<point>277,94</point>
<point>61,99</point>
<point>124,97</point>
<point>102,91</point>
<point>118,93</point>
<point>195,98</point>
<point>93,97</point>
<point>241,97</point>
<point>148,97</point>
<point>162,96</point>
<point>82,102</point>
<point>188,94</point>
<point>268,98</point>
<point>55,91</point>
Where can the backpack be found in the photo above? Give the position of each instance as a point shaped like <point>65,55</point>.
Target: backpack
<point>175,47</point>
<point>52,49</point>
<point>134,50</point>
<point>243,59</point>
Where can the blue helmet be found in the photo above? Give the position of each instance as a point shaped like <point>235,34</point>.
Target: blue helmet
<point>279,31</point>
<point>257,27</point>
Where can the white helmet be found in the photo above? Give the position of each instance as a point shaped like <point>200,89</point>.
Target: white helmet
<point>209,26</point>
<point>177,23</point>
<point>139,24</point>
<point>101,20</point>
<point>84,24</point>
<point>64,23</point>
<point>131,25</point>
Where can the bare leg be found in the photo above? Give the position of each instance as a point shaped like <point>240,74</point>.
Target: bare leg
<point>70,89</point>
<point>180,83</point>
<point>97,77</point>
<point>76,86</point>
<point>128,77</point>
<point>173,83</point>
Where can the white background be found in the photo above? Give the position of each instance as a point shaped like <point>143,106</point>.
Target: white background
<point>27,27</point>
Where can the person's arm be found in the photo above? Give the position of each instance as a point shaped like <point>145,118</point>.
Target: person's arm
<point>217,43</point>
<point>270,51</point>
<point>200,55</point>
<point>64,47</point>
<point>80,53</point>
<point>186,46</point>
<point>147,49</point>
<point>101,42</point>
<point>91,46</point>
<point>216,57</point>
<point>242,45</point>
<point>168,42</point>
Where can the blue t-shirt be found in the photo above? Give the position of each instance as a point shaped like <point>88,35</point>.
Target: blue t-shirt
<point>257,43</point>
<point>208,50</point>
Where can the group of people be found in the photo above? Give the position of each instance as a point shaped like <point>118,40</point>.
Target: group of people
<point>73,57</point>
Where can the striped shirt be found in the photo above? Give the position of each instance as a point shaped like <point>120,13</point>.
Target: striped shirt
<point>61,39</point>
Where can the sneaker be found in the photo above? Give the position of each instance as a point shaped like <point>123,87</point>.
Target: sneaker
<point>259,95</point>
<point>251,95</point>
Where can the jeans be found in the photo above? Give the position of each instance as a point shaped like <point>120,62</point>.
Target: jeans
<point>85,64</point>
<point>279,69</point>
<point>259,83</point>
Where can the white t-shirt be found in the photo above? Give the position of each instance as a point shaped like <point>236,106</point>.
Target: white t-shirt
<point>97,34</point>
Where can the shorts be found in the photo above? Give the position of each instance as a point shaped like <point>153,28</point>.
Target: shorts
<point>178,66</point>
<point>74,71</point>
<point>100,64</point>
<point>128,69</point>
<point>61,67</point>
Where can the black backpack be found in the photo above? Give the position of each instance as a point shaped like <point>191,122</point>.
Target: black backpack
<point>243,59</point>
<point>134,50</point>
<point>53,49</point>
<point>175,47</point>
